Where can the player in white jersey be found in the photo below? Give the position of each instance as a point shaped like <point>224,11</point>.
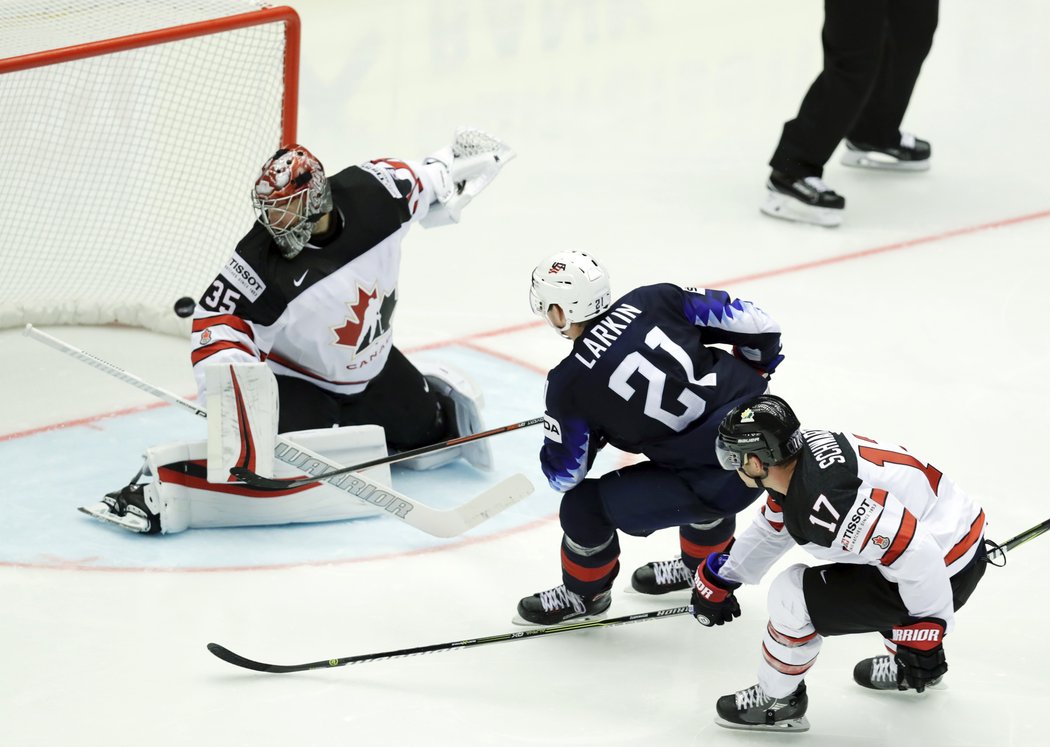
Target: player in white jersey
<point>905,546</point>
<point>310,291</point>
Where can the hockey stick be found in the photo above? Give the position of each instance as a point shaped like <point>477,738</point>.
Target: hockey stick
<point>254,480</point>
<point>998,552</point>
<point>109,368</point>
<point>436,522</point>
<point>237,660</point>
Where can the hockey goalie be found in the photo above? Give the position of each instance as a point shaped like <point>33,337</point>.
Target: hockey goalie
<point>294,336</point>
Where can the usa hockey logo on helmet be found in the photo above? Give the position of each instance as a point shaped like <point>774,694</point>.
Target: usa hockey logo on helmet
<point>290,195</point>
<point>575,282</point>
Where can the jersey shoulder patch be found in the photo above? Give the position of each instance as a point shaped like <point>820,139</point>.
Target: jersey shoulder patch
<point>242,276</point>
<point>385,177</point>
<point>859,522</point>
<point>551,429</point>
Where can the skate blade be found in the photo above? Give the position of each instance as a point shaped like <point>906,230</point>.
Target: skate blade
<point>789,725</point>
<point>519,620</point>
<point>628,589</point>
<point>782,206</point>
<point>881,162</point>
<point>129,521</point>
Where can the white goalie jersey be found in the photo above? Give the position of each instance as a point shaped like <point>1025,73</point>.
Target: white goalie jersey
<point>325,315</point>
<point>855,500</point>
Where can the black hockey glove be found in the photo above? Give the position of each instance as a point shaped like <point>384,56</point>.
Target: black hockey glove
<point>920,653</point>
<point>713,602</point>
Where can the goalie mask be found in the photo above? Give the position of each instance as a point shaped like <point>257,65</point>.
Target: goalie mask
<point>576,282</point>
<point>765,426</point>
<point>290,196</point>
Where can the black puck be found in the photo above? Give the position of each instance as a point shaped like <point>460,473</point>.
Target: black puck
<point>184,306</point>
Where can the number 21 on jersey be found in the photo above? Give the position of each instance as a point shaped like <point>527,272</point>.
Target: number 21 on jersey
<point>657,379</point>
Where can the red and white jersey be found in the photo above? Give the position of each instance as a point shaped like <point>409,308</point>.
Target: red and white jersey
<point>855,500</point>
<point>324,316</point>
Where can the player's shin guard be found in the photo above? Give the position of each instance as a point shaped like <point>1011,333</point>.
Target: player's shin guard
<point>700,540</point>
<point>590,570</point>
<point>791,644</point>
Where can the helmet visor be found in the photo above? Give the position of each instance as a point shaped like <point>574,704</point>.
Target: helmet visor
<point>730,460</point>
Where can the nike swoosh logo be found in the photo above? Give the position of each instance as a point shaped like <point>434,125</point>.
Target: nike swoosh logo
<point>299,282</point>
<point>823,576</point>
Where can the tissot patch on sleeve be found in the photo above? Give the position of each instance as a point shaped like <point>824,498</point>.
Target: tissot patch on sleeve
<point>243,277</point>
<point>858,524</point>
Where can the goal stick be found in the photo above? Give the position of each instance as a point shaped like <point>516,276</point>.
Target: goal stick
<point>236,659</point>
<point>439,523</point>
<point>255,480</point>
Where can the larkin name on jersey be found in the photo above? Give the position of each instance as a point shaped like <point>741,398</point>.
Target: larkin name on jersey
<point>642,377</point>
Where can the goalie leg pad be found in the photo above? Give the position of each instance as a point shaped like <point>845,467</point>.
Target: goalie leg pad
<point>467,400</point>
<point>180,496</point>
<point>242,419</point>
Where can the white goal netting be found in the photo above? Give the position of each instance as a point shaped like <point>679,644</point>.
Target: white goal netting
<point>129,145</point>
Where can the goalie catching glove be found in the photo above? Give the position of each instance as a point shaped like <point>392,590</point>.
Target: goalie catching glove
<point>920,653</point>
<point>461,170</point>
<point>713,602</point>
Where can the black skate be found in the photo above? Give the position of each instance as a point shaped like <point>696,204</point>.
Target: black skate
<point>661,577</point>
<point>560,605</point>
<point>911,155</point>
<point>880,673</point>
<point>753,709</point>
<point>126,508</point>
<point>807,200</point>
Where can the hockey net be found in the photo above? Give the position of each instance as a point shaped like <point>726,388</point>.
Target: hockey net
<point>131,133</point>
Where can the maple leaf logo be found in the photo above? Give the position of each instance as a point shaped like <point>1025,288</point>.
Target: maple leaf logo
<point>367,321</point>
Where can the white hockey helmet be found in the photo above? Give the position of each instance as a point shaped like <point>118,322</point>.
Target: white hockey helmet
<point>290,195</point>
<point>573,280</point>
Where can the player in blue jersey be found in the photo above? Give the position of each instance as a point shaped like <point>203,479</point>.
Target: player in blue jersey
<point>645,375</point>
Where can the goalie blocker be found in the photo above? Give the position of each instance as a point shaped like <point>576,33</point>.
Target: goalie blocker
<point>191,486</point>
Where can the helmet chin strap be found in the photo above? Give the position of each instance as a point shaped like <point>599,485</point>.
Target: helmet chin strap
<point>758,480</point>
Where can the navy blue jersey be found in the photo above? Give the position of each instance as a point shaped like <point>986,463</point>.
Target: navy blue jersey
<point>644,378</point>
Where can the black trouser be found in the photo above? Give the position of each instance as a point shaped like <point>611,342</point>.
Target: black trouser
<point>398,399</point>
<point>844,598</point>
<point>873,51</point>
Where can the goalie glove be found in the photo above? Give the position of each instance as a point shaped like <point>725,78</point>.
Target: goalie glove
<point>713,602</point>
<point>460,171</point>
<point>920,653</point>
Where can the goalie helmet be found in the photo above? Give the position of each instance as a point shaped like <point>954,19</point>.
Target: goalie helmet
<point>290,196</point>
<point>765,426</point>
<point>573,280</point>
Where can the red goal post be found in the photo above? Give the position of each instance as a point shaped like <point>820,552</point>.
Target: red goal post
<point>132,131</point>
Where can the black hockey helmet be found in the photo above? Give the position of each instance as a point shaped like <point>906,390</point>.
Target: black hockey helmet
<point>765,426</point>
